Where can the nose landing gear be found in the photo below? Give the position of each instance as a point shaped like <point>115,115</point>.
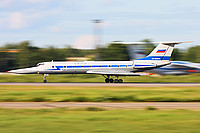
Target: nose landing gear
<point>44,77</point>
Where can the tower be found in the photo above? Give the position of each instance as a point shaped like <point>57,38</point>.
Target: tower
<point>97,32</point>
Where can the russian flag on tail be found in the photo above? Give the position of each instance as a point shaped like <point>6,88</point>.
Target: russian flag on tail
<point>161,51</point>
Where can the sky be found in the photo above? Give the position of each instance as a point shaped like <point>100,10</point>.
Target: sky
<point>62,23</point>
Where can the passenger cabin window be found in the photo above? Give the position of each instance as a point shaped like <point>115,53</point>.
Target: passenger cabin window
<point>52,66</point>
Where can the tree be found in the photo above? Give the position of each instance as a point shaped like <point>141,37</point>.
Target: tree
<point>71,52</point>
<point>114,52</point>
<point>148,46</point>
<point>24,58</point>
<point>176,55</point>
<point>193,54</point>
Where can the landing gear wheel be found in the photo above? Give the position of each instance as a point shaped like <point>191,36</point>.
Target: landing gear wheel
<point>45,81</point>
<point>111,80</point>
<point>107,80</point>
<point>120,81</point>
<point>116,81</point>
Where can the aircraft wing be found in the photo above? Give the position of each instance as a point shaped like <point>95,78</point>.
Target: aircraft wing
<point>178,68</point>
<point>185,64</point>
<point>114,72</point>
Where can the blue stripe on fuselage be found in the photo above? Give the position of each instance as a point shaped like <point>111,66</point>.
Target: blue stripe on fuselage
<point>57,68</point>
<point>155,58</point>
<point>77,66</point>
<point>86,66</point>
<point>114,65</point>
<point>93,66</point>
<point>122,65</point>
<point>104,65</point>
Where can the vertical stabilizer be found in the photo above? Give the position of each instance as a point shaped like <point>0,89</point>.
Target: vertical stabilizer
<point>162,52</point>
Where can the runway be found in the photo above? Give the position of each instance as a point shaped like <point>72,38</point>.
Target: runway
<point>72,105</point>
<point>105,84</point>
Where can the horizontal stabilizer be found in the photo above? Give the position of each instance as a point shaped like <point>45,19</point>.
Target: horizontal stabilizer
<point>172,42</point>
<point>130,43</point>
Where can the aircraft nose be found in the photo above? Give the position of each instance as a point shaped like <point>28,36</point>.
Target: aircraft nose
<point>24,71</point>
<point>12,71</point>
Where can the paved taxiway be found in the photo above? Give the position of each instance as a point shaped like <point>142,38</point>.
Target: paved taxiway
<point>46,105</point>
<point>104,84</point>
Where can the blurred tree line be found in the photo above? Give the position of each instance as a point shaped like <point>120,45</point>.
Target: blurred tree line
<point>23,54</point>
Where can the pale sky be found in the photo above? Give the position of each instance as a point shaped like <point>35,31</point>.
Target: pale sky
<point>60,23</point>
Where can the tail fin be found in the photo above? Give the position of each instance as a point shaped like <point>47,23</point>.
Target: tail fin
<point>162,52</point>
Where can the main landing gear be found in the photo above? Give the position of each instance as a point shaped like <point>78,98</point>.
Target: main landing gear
<point>110,80</point>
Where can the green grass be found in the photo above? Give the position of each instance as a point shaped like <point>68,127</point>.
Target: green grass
<point>195,78</point>
<point>106,121</point>
<point>98,94</point>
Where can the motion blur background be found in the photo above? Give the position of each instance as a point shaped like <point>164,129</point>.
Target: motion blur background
<point>24,54</point>
<point>34,31</point>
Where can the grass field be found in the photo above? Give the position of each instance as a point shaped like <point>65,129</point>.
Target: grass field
<point>98,120</point>
<point>98,94</point>
<point>64,120</point>
<point>195,78</point>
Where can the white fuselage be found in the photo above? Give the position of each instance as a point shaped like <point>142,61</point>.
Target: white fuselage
<point>76,67</point>
<point>83,67</point>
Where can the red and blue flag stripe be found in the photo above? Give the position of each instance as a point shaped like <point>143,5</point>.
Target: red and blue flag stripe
<point>161,51</point>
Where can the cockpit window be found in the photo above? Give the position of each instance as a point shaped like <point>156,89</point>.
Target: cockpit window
<point>40,64</point>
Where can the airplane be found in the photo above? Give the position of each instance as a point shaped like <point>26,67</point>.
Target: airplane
<point>159,57</point>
